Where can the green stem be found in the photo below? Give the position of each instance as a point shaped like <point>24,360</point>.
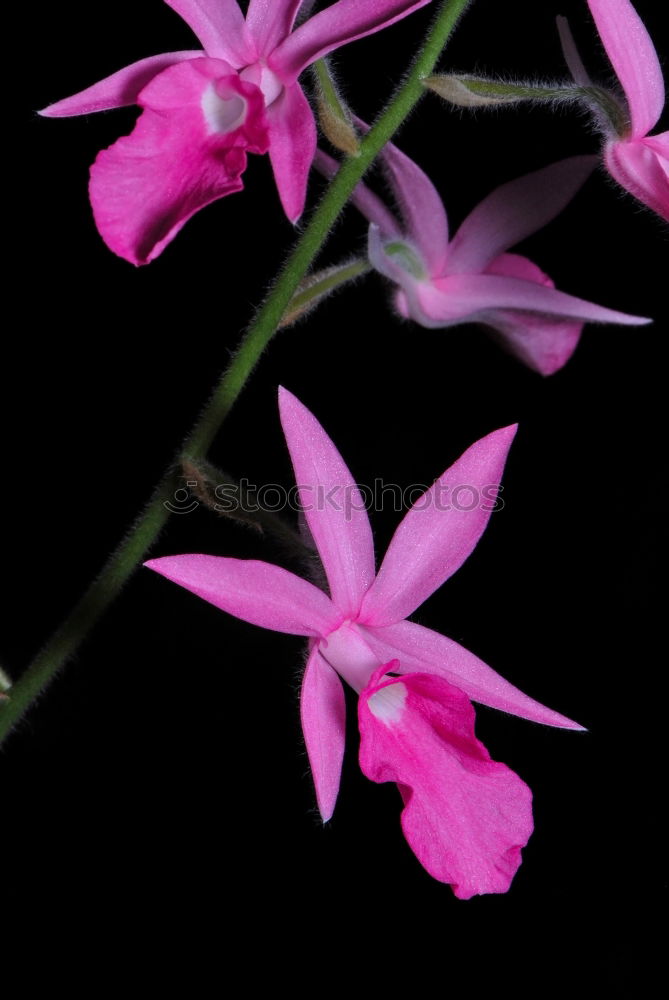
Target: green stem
<point>132,550</point>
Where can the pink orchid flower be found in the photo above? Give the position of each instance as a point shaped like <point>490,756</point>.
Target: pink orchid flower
<point>637,160</point>
<point>471,278</point>
<point>465,816</point>
<point>204,110</point>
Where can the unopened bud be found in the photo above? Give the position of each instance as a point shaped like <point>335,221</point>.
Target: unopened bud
<point>333,115</point>
<point>317,286</point>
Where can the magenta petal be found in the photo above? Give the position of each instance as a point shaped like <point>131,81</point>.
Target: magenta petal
<point>220,27</point>
<point>544,343</point>
<point>422,209</point>
<point>472,295</point>
<point>333,506</point>
<point>323,713</point>
<point>514,211</point>
<point>466,817</point>
<point>118,90</point>
<point>640,166</point>
<point>338,24</point>
<point>188,148</point>
<point>633,57</point>
<point>292,137</point>
<point>256,592</point>
<point>439,532</point>
<point>421,649</point>
<point>270,21</point>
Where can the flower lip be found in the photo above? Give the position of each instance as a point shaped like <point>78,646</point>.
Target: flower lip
<point>224,110</point>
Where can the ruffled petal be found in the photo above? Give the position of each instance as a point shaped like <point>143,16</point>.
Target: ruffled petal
<point>323,713</point>
<point>188,149</point>
<point>270,21</point>
<point>466,817</point>
<point>641,166</point>
<point>118,90</point>
<point>332,504</point>
<point>633,57</point>
<point>514,211</point>
<point>292,138</point>
<point>257,592</point>
<point>220,27</point>
<point>421,649</point>
<point>439,532</point>
<point>544,343</point>
<point>340,23</point>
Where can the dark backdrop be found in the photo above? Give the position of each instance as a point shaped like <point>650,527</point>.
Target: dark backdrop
<point>161,786</point>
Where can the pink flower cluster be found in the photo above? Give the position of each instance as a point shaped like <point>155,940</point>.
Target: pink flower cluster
<point>465,816</point>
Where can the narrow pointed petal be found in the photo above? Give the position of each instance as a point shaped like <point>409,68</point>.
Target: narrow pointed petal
<point>439,532</point>
<point>514,211</point>
<point>323,714</point>
<point>188,149</point>
<point>543,343</point>
<point>633,57</point>
<point>292,137</point>
<point>641,167</point>
<point>257,592</point>
<point>333,506</point>
<point>421,207</point>
<point>466,817</point>
<point>470,296</point>
<point>340,23</point>
<point>119,90</point>
<point>220,27</point>
<point>423,650</point>
<point>270,21</point>
<point>571,54</point>
<point>367,203</point>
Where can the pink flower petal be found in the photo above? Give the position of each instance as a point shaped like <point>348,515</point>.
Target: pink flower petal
<point>270,21</point>
<point>340,23</point>
<point>118,90</point>
<point>323,713</point>
<point>292,144</point>
<point>466,817</point>
<point>633,57</point>
<point>332,504</point>
<point>641,167</point>
<point>421,649</point>
<point>422,209</point>
<point>256,592</point>
<point>544,343</point>
<point>514,211</point>
<point>220,27</point>
<point>439,532</point>
<point>367,203</point>
<point>188,149</point>
<point>454,298</point>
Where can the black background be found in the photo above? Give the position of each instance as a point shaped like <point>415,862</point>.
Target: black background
<point>160,789</point>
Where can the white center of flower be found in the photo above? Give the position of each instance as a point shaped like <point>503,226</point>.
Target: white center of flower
<point>265,79</point>
<point>387,704</point>
<point>346,651</point>
<point>223,114</point>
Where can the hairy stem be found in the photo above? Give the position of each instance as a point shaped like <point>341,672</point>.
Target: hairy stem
<point>134,547</point>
